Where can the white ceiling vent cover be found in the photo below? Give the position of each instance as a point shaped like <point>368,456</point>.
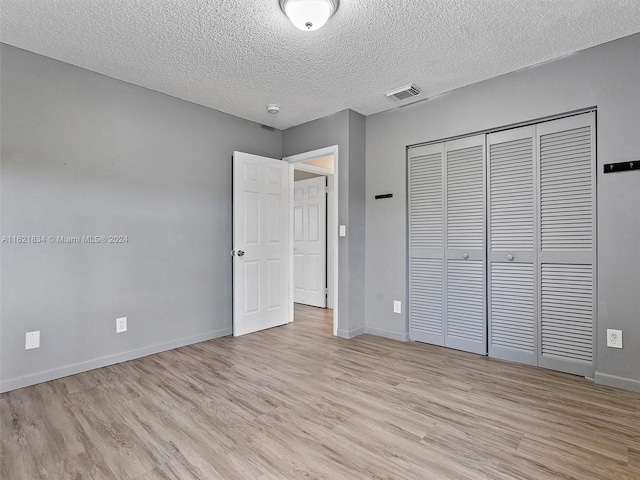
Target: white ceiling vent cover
<point>403,93</point>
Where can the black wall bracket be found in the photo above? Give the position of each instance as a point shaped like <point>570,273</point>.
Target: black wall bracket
<point>389,195</point>
<point>622,166</point>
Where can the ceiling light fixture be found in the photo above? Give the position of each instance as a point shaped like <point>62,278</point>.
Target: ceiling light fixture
<point>309,15</point>
<point>273,108</point>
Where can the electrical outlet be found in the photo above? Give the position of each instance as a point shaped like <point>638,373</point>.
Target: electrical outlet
<point>614,338</point>
<point>397,306</point>
<point>121,324</point>
<point>32,340</point>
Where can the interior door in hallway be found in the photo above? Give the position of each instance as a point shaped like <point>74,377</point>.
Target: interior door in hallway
<point>310,241</point>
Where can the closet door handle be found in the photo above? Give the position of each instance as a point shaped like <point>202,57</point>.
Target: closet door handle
<point>465,255</point>
<point>510,257</point>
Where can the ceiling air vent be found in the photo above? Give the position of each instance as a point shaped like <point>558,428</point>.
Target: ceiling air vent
<point>403,93</point>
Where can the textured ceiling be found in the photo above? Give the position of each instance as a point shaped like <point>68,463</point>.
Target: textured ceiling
<point>239,55</point>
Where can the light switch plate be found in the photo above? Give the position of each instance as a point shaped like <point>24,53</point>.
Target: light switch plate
<point>343,230</point>
<point>397,306</point>
<point>32,340</point>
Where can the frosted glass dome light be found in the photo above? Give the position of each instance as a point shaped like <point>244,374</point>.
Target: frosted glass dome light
<point>309,15</point>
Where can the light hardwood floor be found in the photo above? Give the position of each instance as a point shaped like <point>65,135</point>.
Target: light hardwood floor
<point>294,402</point>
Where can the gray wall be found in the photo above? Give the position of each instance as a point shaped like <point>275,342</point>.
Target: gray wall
<point>605,76</point>
<point>347,130</point>
<point>83,154</point>
<point>357,220</point>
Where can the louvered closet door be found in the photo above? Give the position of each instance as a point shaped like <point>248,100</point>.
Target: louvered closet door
<point>426,244</point>
<point>465,253</point>
<point>567,244</point>
<point>512,285</point>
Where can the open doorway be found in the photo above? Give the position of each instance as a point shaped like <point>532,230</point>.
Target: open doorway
<point>314,229</point>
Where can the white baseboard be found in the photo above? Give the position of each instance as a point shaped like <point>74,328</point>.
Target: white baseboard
<point>617,382</point>
<point>350,333</point>
<point>381,332</point>
<point>55,373</point>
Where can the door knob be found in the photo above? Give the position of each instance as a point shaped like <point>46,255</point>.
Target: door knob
<point>465,255</point>
<point>510,257</point>
<point>240,253</point>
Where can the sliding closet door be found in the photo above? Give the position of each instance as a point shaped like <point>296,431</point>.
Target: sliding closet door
<point>512,285</point>
<point>465,252</point>
<point>567,244</point>
<point>426,244</point>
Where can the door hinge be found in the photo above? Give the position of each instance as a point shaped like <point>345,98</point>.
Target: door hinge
<point>326,291</point>
<point>326,189</point>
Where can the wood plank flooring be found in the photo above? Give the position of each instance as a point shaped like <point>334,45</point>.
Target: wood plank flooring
<point>295,402</point>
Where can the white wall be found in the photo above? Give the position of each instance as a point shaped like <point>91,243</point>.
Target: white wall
<point>608,77</point>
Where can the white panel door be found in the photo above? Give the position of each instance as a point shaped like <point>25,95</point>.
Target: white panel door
<point>465,250</point>
<point>512,286</point>
<point>310,242</point>
<point>261,243</point>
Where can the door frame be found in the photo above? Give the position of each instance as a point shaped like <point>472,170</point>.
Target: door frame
<point>332,222</point>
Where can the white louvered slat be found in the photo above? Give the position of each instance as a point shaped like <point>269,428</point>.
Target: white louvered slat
<point>425,297</point>
<point>465,300</point>
<point>511,191</point>
<point>513,306</point>
<point>425,201</point>
<point>567,311</point>
<point>465,198</point>
<point>566,190</point>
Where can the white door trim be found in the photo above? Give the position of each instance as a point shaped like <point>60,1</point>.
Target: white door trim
<point>303,167</point>
<point>332,212</point>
